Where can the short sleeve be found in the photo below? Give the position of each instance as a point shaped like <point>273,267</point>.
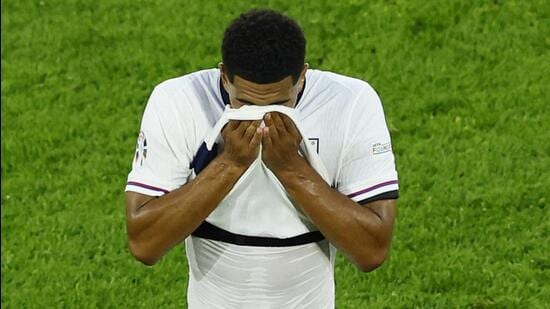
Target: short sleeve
<point>161,159</point>
<point>368,166</point>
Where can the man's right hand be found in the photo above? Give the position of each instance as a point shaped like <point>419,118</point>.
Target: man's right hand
<point>242,141</point>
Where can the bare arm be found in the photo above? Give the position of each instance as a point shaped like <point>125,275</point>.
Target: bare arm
<point>361,233</point>
<point>155,225</point>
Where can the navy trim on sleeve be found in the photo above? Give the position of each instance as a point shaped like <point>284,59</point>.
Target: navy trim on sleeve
<point>390,195</point>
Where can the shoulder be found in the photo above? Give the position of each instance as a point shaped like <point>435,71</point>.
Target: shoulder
<point>345,93</point>
<point>338,95</point>
<point>340,84</point>
<point>189,84</point>
<point>186,93</point>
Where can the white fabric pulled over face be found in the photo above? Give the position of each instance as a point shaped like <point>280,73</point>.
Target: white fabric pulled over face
<point>258,204</point>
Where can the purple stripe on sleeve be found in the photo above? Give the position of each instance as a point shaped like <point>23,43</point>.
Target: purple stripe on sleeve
<point>137,184</point>
<point>383,184</point>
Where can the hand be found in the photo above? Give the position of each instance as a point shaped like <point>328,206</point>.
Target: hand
<point>281,141</point>
<point>241,142</point>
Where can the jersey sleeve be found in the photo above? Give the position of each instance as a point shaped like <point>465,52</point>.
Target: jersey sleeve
<point>368,170</point>
<point>161,160</point>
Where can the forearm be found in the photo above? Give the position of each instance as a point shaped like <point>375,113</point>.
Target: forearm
<point>164,222</point>
<point>358,232</point>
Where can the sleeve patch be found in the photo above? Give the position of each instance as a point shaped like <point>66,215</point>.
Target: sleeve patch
<point>380,148</point>
<point>141,149</point>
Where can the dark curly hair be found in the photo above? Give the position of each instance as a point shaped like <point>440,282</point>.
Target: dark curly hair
<point>263,46</point>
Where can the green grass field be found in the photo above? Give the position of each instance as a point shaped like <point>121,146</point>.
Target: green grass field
<point>465,86</point>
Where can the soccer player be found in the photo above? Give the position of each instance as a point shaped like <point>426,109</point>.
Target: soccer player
<point>176,182</point>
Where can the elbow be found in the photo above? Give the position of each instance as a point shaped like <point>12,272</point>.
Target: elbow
<point>371,262</point>
<point>366,267</point>
<point>141,253</point>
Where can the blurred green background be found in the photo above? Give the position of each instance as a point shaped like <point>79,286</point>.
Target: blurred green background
<point>465,91</point>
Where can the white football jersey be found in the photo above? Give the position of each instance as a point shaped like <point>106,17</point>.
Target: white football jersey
<point>344,121</point>
<point>258,204</point>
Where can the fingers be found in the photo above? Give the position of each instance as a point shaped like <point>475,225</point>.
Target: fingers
<point>230,127</point>
<point>243,125</point>
<point>270,124</point>
<point>278,121</point>
<point>251,129</point>
<point>256,138</point>
<point>281,125</point>
<point>291,127</point>
<point>277,125</point>
<point>267,142</point>
<point>235,127</point>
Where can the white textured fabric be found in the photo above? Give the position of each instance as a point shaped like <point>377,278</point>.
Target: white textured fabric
<point>271,213</point>
<point>253,112</point>
<point>342,119</point>
<point>229,276</point>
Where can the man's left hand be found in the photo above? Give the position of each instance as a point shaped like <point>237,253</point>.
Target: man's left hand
<point>281,141</point>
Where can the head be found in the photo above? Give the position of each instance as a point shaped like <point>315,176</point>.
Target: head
<point>263,56</point>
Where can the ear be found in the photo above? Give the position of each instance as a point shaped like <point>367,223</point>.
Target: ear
<point>303,76</point>
<point>304,69</point>
<point>223,75</point>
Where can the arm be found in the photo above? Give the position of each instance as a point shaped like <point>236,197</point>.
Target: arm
<point>155,225</point>
<point>361,233</point>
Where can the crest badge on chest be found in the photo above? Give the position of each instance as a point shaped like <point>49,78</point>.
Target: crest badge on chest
<point>314,143</point>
